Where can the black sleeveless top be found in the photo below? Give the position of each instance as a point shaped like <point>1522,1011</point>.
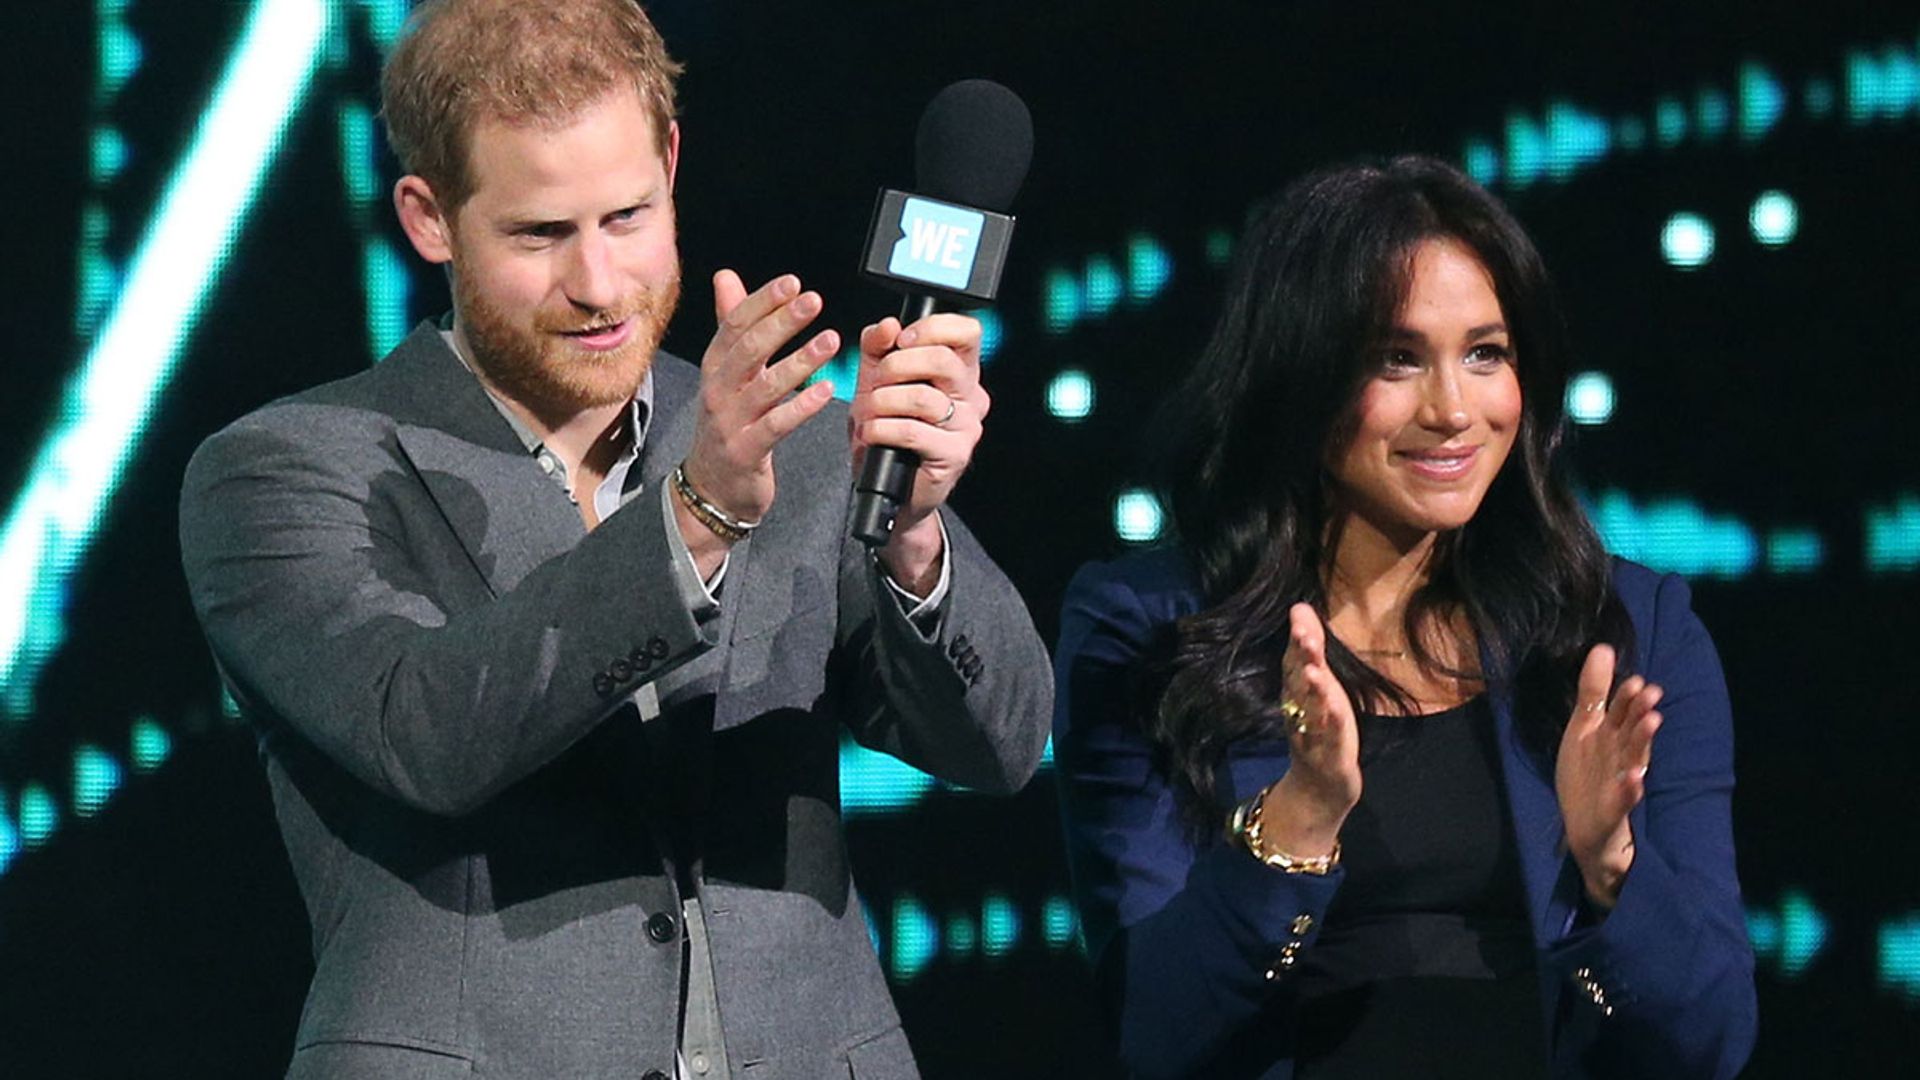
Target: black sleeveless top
<point>1425,964</point>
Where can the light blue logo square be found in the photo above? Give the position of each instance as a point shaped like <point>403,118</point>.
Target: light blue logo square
<point>937,243</point>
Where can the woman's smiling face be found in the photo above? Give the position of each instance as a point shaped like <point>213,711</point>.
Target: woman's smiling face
<point>1435,423</point>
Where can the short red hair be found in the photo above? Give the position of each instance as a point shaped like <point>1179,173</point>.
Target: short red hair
<point>521,62</point>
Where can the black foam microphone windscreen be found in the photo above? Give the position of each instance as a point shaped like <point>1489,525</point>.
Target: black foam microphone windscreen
<point>974,145</point>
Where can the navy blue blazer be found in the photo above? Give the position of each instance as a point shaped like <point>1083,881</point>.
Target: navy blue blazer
<point>1188,938</point>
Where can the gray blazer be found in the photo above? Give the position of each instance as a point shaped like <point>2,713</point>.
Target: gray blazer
<point>440,662</point>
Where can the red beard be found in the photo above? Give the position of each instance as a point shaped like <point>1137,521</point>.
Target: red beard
<point>544,371</point>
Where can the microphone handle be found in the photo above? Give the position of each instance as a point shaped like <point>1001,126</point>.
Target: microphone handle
<point>886,479</point>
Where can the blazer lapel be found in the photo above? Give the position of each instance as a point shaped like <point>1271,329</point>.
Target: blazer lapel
<point>670,420</point>
<point>506,513</point>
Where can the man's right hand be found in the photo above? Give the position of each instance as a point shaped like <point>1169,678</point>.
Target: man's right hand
<point>744,407</point>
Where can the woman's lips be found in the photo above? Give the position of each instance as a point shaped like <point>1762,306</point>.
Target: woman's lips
<point>603,338</point>
<point>1441,463</point>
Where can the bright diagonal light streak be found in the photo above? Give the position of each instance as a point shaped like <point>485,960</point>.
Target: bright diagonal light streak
<point>105,407</point>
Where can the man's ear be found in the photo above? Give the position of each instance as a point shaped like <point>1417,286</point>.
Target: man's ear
<point>673,151</point>
<point>422,219</point>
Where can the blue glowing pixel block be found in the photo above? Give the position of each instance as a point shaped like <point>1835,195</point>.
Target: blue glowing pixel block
<point>9,838</point>
<point>96,776</point>
<point>150,744</point>
<point>1137,516</point>
<point>1070,396</point>
<point>1883,87</point>
<point>962,937</point>
<point>993,332</point>
<point>1687,241</point>
<point>1676,536</point>
<point>916,939</point>
<point>1795,551</point>
<point>1060,922</point>
<point>1893,536</point>
<point>999,925</point>
<point>1061,301</point>
<point>1590,398</point>
<point>1762,100</point>
<point>1103,287</point>
<point>1149,268</point>
<point>1899,959</point>
<point>872,782</point>
<point>1790,938</point>
<point>1774,218</point>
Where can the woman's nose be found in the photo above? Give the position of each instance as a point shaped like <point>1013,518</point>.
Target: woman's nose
<point>1444,406</point>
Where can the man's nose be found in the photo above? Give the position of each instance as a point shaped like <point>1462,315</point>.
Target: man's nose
<point>590,280</point>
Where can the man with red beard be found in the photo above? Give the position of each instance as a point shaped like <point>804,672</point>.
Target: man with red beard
<point>549,637</point>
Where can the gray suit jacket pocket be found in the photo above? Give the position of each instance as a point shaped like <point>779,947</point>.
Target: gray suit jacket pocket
<point>394,1057</point>
<point>773,668</point>
<point>886,1056</point>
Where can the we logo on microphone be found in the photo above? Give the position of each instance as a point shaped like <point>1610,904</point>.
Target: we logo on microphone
<point>922,245</point>
<point>937,243</point>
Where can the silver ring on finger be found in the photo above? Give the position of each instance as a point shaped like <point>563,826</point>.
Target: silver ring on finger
<point>953,406</point>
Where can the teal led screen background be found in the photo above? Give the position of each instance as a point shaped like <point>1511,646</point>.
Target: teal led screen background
<point>198,222</point>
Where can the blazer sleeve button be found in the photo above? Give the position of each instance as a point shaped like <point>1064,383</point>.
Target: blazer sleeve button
<point>621,670</point>
<point>658,648</point>
<point>660,927</point>
<point>603,684</point>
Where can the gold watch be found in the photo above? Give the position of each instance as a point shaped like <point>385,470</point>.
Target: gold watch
<point>1244,827</point>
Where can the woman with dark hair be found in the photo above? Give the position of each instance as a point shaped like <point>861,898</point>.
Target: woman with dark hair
<point>1360,777</point>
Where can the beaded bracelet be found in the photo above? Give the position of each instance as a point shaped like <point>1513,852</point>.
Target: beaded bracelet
<point>724,525</point>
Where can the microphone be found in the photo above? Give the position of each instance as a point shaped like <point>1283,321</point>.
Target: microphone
<point>945,241</point>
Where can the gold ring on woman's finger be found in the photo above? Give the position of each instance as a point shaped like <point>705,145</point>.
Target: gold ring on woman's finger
<point>1295,713</point>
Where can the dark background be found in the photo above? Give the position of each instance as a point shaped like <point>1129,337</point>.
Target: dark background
<point>162,936</point>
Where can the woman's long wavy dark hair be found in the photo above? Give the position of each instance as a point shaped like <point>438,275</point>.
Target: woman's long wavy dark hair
<point>1317,280</point>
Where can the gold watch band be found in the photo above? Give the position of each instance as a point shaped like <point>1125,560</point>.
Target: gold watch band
<point>1244,826</point>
